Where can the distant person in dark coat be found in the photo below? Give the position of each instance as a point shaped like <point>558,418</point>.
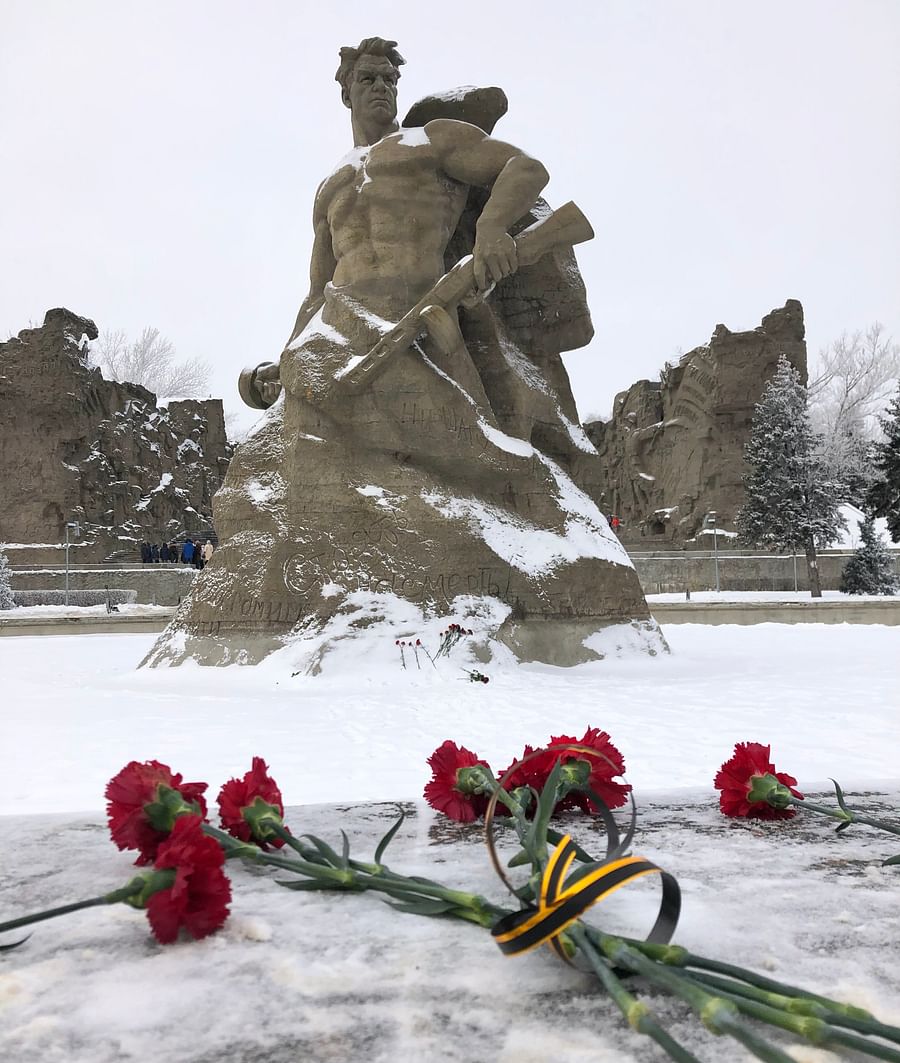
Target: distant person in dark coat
<point>154,553</point>
<point>187,552</point>
<point>145,553</point>
<point>173,553</point>
<point>165,553</point>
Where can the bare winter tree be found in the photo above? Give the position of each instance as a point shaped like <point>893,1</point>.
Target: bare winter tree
<point>150,361</point>
<point>856,377</point>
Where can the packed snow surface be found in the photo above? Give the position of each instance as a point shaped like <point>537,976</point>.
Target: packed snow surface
<point>41,612</point>
<point>341,978</point>
<point>76,709</point>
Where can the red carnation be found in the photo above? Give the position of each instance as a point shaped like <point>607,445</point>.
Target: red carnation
<point>455,789</point>
<point>599,775</point>
<point>735,779</point>
<point>198,898</point>
<point>532,772</point>
<point>246,804</point>
<point>143,802</point>
<point>603,769</point>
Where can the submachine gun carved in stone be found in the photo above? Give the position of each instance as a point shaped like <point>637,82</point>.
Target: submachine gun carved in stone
<point>560,228</point>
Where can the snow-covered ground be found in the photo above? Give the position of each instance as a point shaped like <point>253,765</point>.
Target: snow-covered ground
<point>770,596</point>
<point>75,709</point>
<point>341,978</point>
<point>25,612</point>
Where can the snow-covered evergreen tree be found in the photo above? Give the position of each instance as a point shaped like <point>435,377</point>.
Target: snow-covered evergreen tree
<point>790,503</point>
<point>871,569</point>
<point>6,595</point>
<point>884,495</point>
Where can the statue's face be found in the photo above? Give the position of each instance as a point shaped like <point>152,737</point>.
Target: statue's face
<point>373,90</point>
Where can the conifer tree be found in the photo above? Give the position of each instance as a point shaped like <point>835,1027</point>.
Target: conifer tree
<point>871,569</point>
<point>790,503</point>
<point>884,495</point>
<point>6,595</point>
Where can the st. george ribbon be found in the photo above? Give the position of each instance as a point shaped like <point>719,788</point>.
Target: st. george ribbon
<point>562,902</point>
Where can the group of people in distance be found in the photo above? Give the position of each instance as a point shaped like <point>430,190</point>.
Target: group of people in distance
<point>190,552</point>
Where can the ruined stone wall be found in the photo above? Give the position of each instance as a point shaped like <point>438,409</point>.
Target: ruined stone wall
<point>673,449</point>
<point>74,446</point>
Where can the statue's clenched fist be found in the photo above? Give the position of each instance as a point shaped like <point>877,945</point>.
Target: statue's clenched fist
<point>495,256</point>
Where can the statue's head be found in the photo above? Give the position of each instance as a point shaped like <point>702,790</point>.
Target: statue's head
<point>368,78</point>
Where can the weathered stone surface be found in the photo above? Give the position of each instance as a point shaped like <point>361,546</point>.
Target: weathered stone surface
<point>339,977</point>
<point>74,446</point>
<point>448,476</point>
<point>673,449</point>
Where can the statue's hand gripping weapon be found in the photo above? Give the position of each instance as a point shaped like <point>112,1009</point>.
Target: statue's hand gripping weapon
<point>561,228</point>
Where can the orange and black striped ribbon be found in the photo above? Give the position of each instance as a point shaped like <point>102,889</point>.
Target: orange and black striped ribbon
<point>561,905</point>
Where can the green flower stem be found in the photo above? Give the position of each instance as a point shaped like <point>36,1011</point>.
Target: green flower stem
<point>800,1006</point>
<point>850,816</point>
<point>811,1028</point>
<point>132,889</point>
<point>718,1014</point>
<point>676,956</point>
<point>359,876</point>
<point>636,1013</point>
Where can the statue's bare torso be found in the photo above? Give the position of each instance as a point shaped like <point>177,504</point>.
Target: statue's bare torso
<point>390,211</point>
<point>384,218</point>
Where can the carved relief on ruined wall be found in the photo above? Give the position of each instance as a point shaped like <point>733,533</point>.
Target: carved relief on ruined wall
<point>74,446</point>
<point>673,449</point>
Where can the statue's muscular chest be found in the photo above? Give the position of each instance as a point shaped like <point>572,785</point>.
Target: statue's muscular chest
<point>398,174</point>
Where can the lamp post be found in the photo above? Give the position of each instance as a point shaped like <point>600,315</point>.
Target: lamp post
<point>711,520</point>
<point>76,528</point>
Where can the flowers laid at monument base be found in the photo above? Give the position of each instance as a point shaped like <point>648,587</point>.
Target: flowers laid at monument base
<point>750,787</point>
<point>556,888</point>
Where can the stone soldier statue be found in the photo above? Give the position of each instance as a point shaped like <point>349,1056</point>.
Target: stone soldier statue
<point>427,439</point>
<point>384,223</point>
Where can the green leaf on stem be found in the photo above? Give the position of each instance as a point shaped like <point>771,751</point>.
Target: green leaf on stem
<point>891,861</point>
<point>536,840</point>
<point>839,794</point>
<point>424,881</point>
<point>520,859</point>
<point>345,852</point>
<point>313,884</point>
<point>325,849</point>
<point>388,838</point>
<point>426,906</point>
<point>842,826</point>
<point>14,944</point>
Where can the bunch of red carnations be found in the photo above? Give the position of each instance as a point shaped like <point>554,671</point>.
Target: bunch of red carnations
<point>184,887</point>
<point>462,783</point>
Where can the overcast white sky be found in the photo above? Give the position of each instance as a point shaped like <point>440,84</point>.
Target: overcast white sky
<point>158,160</point>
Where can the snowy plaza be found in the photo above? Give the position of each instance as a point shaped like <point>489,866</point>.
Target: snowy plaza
<point>824,696</point>
<point>349,749</point>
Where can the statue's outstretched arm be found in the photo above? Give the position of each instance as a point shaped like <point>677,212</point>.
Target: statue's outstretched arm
<point>516,180</point>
